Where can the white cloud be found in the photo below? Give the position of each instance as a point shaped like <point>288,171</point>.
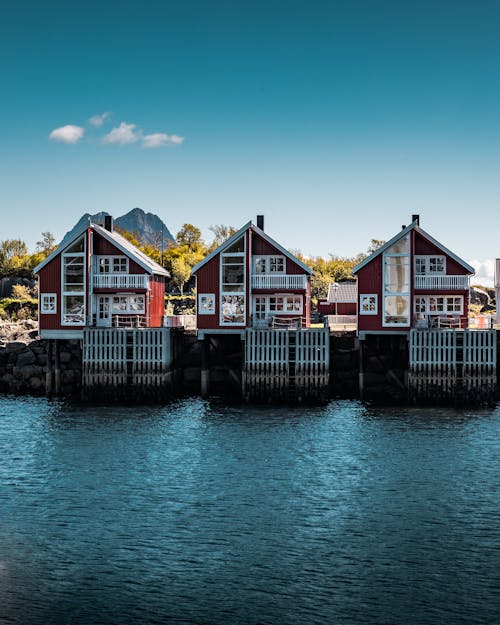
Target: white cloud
<point>67,134</point>
<point>158,139</point>
<point>176,139</point>
<point>123,135</point>
<point>98,120</point>
<point>485,270</point>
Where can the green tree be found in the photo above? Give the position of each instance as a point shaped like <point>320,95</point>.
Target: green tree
<point>180,272</point>
<point>190,236</point>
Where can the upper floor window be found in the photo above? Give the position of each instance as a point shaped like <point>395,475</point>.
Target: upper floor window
<point>112,264</point>
<point>269,264</point>
<point>430,265</point>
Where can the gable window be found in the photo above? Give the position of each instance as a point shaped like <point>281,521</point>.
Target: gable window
<point>368,304</point>
<point>48,303</point>
<point>73,284</point>
<point>430,265</point>
<point>396,284</point>
<point>112,264</point>
<point>206,304</point>
<point>269,264</point>
<point>233,284</point>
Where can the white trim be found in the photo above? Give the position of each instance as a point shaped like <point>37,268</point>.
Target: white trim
<point>242,292</point>
<point>435,312</point>
<point>128,298</point>
<point>204,310</point>
<point>61,334</point>
<point>427,258</point>
<point>363,296</point>
<point>111,262</point>
<point>43,310</point>
<point>261,233</point>
<point>267,264</point>
<point>82,293</point>
<point>404,294</point>
<point>423,233</point>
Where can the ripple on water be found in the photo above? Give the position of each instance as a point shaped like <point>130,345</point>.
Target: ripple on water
<point>201,513</point>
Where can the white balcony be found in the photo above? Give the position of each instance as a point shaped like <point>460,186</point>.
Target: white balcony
<point>121,281</point>
<point>447,283</point>
<point>279,281</point>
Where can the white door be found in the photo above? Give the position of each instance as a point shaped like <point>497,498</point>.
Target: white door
<point>103,311</point>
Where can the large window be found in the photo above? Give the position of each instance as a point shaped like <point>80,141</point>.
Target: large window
<point>233,283</point>
<point>73,284</point>
<point>396,259</point>
<point>439,305</point>
<point>128,304</point>
<point>430,265</point>
<point>269,305</point>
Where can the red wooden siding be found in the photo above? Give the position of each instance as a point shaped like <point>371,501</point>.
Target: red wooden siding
<point>103,247</point>
<point>261,247</point>
<point>156,301</point>
<point>425,247</point>
<point>207,281</point>
<point>370,282</point>
<point>49,281</point>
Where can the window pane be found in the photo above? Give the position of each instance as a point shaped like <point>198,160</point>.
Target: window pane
<point>260,265</point>
<point>397,274</point>
<point>233,273</point>
<point>74,309</point>
<point>238,246</point>
<point>396,309</point>
<point>233,308</point>
<point>78,246</point>
<point>73,273</point>
<point>400,247</point>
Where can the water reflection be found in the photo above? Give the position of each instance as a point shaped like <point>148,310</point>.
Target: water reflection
<point>203,513</point>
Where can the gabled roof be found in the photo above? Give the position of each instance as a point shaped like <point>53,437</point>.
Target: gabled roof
<point>343,293</point>
<point>423,233</point>
<point>266,237</point>
<point>116,239</point>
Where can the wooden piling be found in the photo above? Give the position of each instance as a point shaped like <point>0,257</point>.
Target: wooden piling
<point>205,367</point>
<point>57,367</point>
<point>49,374</point>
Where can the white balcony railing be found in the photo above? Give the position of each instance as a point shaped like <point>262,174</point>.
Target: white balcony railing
<point>451,283</point>
<point>121,281</point>
<point>279,281</point>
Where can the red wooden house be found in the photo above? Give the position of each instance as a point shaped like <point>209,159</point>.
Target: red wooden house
<point>342,299</point>
<point>252,281</point>
<point>412,281</point>
<point>98,278</point>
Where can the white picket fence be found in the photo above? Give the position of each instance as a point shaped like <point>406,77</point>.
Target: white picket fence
<point>448,362</point>
<point>120,357</point>
<point>285,364</point>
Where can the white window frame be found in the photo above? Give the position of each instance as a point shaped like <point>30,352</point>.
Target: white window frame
<point>110,259</point>
<point>241,293</point>
<point>365,298</point>
<point>206,303</point>
<point>287,299</point>
<point>83,293</point>
<point>128,310</point>
<point>386,293</point>
<point>426,260</point>
<point>440,305</point>
<point>48,303</point>
<point>268,258</point>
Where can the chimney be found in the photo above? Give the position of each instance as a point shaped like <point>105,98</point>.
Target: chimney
<point>108,223</point>
<point>260,222</point>
<point>416,218</point>
<point>403,227</point>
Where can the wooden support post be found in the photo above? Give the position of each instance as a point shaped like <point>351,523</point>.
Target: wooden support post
<point>205,370</point>
<point>361,370</point>
<point>49,381</point>
<point>57,367</point>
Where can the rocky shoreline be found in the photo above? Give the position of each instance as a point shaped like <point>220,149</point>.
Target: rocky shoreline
<point>23,361</point>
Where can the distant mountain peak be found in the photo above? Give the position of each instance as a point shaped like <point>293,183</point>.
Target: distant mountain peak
<point>148,228</point>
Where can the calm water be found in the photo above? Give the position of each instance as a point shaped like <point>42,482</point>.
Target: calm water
<point>196,513</point>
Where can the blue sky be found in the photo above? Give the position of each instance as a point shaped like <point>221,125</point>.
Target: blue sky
<point>336,120</point>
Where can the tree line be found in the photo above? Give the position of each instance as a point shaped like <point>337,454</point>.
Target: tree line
<point>178,257</point>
